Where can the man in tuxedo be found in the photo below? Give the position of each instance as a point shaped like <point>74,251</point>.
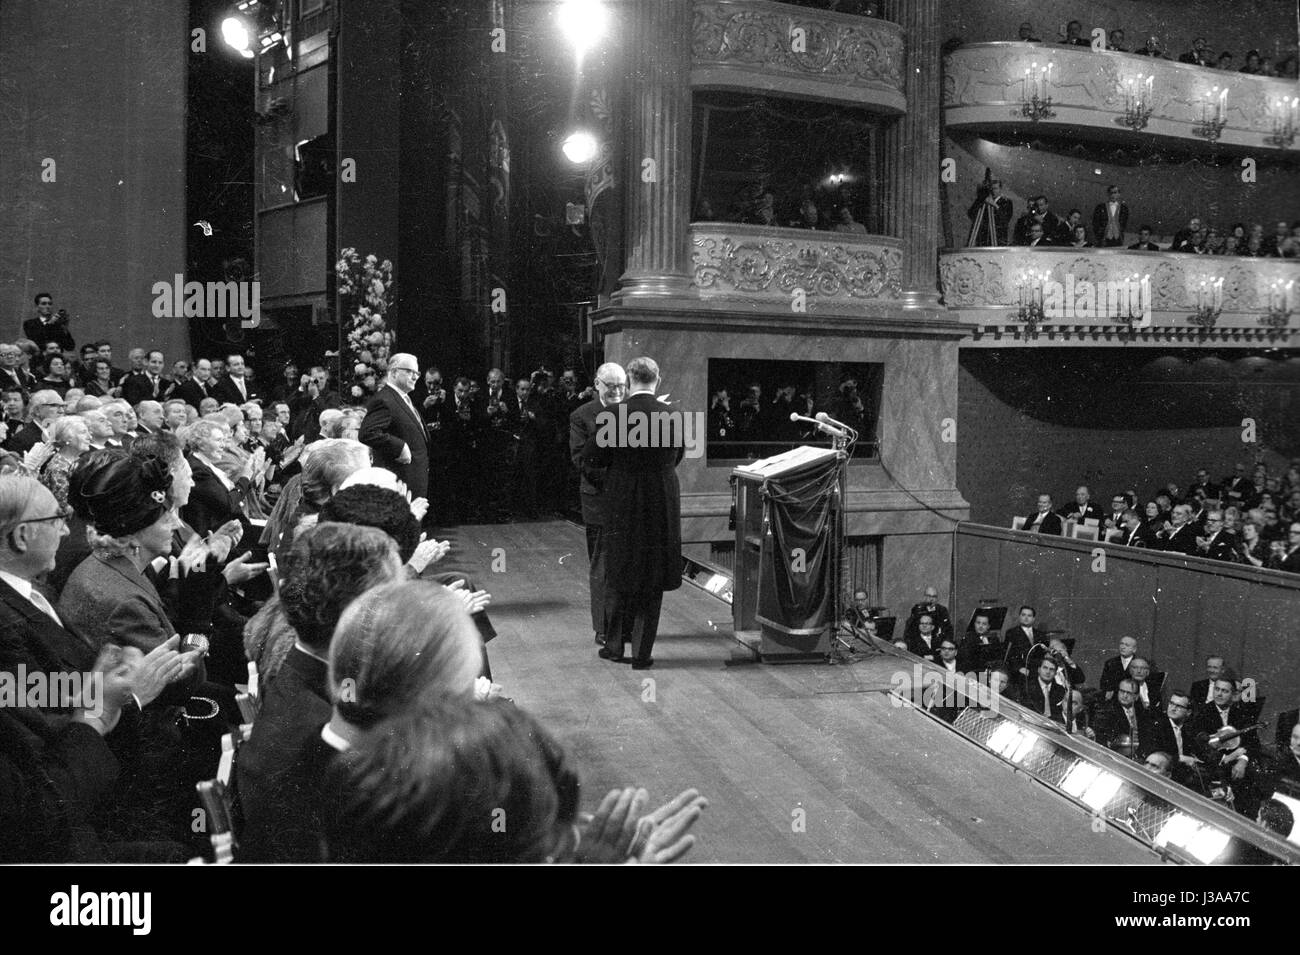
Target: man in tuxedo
<point>1182,538</point>
<point>1115,519</point>
<point>1116,668</point>
<point>233,386</point>
<point>1289,559</point>
<point>1238,488</point>
<point>198,386</point>
<point>1082,508</point>
<point>925,642</point>
<point>459,424</point>
<point>937,611</point>
<point>1018,641</point>
<point>1144,243</point>
<point>394,430</point>
<point>980,648</point>
<point>1043,694</point>
<point>150,418</point>
<point>1218,544</point>
<point>611,385</point>
<point>43,410</point>
<point>1110,219</point>
<point>12,374</point>
<point>1136,533</point>
<point>1122,716</point>
<point>643,517</point>
<point>1222,712</point>
<point>1204,484</point>
<point>1149,684</point>
<point>147,384</point>
<point>1044,520</point>
<point>1168,735</point>
<point>1203,690</point>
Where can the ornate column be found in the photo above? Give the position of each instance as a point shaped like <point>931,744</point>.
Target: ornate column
<point>657,160</point>
<point>911,155</point>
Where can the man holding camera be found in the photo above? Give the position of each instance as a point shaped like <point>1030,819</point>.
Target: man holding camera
<point>313,396</point>
<point>48,326</point>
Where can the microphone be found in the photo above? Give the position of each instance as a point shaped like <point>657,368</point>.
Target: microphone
<point>821,425</point>
<point>840,426</point>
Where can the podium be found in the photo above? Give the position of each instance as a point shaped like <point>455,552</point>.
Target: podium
<point>788,542</point>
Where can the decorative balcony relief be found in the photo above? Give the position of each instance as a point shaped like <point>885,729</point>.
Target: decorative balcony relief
<point>1158,295</point>
<point>756,264</point>
<point>782,48</point>
<point>985,85</point>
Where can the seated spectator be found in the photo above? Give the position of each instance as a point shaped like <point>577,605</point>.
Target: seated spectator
<point>1026,33</point>
<point>1148,683</point>
<point>1044,694</point>
<point>1287,557</point>
<point>56,376</point>
<point>1044,521</point>
<point>1083,508</point>
<point>925,643</point>
<point>1079,238</point>
<point>329,567</point>
<point>1218,544</point>
<point>1074,35</point>
<point>1122,724</point>
<point>810,216</point>
<point>1152,48</point>
<point>1224,61</point>
<point>1253,65</point>
<point>1144,243</point>
<point>1116,668</point>
<point>844,222</point>
<point>1115,41</point>
<point>1135,532</point>
<point>70,439</point>
<point>981,648</point>
<point>1169,735</point>
<point>1181,538</point>
<point>1199,54</point>
<point>1160,763</point>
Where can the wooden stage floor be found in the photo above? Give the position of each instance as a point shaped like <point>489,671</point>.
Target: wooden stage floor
<point>769,745</point>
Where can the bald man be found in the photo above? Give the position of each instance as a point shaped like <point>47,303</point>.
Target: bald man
<point>394,430</point>
<point>611,388</point>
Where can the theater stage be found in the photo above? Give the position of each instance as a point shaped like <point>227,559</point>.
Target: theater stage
<point>770,746</point>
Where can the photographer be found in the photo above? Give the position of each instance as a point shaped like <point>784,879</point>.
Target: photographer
<point>313,396</point>
<point>49,326</point>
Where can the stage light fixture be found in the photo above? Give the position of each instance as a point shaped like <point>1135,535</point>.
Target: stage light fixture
<point>1101,791</point>
<point>235,32</point>
<point>1204,843</point>
<point>1079,778</point>
<point>583,22</point>
<point>579,147</point>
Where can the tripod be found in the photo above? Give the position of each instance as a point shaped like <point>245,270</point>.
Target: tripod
<point>984,230</point>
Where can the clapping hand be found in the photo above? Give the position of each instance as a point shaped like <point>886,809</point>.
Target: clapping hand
<point>420,507</point>
<point>474,602</point>
<point>611,831</point>
<point>662,836</point>
<point>35,458</point>
<point>239,570</point>
<point>291,452</point>
<point>428,552</point>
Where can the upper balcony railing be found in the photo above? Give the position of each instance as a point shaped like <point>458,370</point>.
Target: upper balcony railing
<point>798,51</point>
<point>809,271</point>
<point>1091,296</point>
<point>1116,95</point>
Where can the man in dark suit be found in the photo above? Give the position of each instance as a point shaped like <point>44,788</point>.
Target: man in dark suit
<point>1169,735</point>
<point>1238,489</point>
<point>981,647</point>
<point>1203,690</point>
<point>1289,559</point>
<point>394,430</point>
<point>1122,716</point>
<point>1144,243</point>
<point>1182,538</point>
<point>611,384</point>
<point>149,383</point>
<point>1017,642</point>
<point>198,386</point>
<point>312,396</point>
<point>925,641</point>
<point>1149,684</point>
<point>1082,509</point>
<point>1218,544</point>
<point>47,326</point>
<point>1044,521</point>
<point>234,388</point>
<point>12,374</point>
<point>1116,668</point>
<point>43,409</point>
<point>1287,720</point>
<point>643,516</point>
<point>1110,219</point>
<point>1209,720</point>
<point>938,612</point>
<point>1043,694</point>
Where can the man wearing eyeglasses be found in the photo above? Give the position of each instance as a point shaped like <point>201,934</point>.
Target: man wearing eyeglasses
<point>611,388</point>
<point>1289,559</point>
<point>45,407</point>
<point>394,430</point>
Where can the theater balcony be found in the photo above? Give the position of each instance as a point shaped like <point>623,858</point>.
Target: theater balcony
<point>798,51</point>
<point>1169,298</point>
<point>768,268</point>
<point>989,88</point>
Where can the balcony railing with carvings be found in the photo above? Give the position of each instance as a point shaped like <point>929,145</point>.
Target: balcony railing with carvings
<point>798,270</point>
<point>1099,296</point>
<point>995,84</point>
<point>754,45</point>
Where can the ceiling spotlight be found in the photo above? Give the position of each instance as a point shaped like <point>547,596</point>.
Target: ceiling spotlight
<point>579,148</point>
<point>583,22</point>
<point>235,33</point>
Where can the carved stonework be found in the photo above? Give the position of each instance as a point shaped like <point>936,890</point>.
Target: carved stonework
<point>755,263</point>
<point>838,49</point>
<point>983,83</point>
<point>982,283</point>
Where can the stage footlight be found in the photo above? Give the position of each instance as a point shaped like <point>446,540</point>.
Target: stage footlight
<point>235,33</point>
<point>579,148</point>
<point>583,22</point>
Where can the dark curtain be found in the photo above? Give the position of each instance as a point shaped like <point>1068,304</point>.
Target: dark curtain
<point>795,594</point>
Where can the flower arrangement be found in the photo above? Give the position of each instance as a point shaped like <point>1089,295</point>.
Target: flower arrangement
<point>364,289</point>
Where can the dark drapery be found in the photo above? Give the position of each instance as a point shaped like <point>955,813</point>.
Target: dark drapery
<point>797,572</point>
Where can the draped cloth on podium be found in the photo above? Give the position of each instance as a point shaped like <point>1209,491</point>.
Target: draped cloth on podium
<point>797,568</point>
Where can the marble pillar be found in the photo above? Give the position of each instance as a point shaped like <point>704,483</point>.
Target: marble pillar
<point>911,155</point>
<point>657,151</point>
